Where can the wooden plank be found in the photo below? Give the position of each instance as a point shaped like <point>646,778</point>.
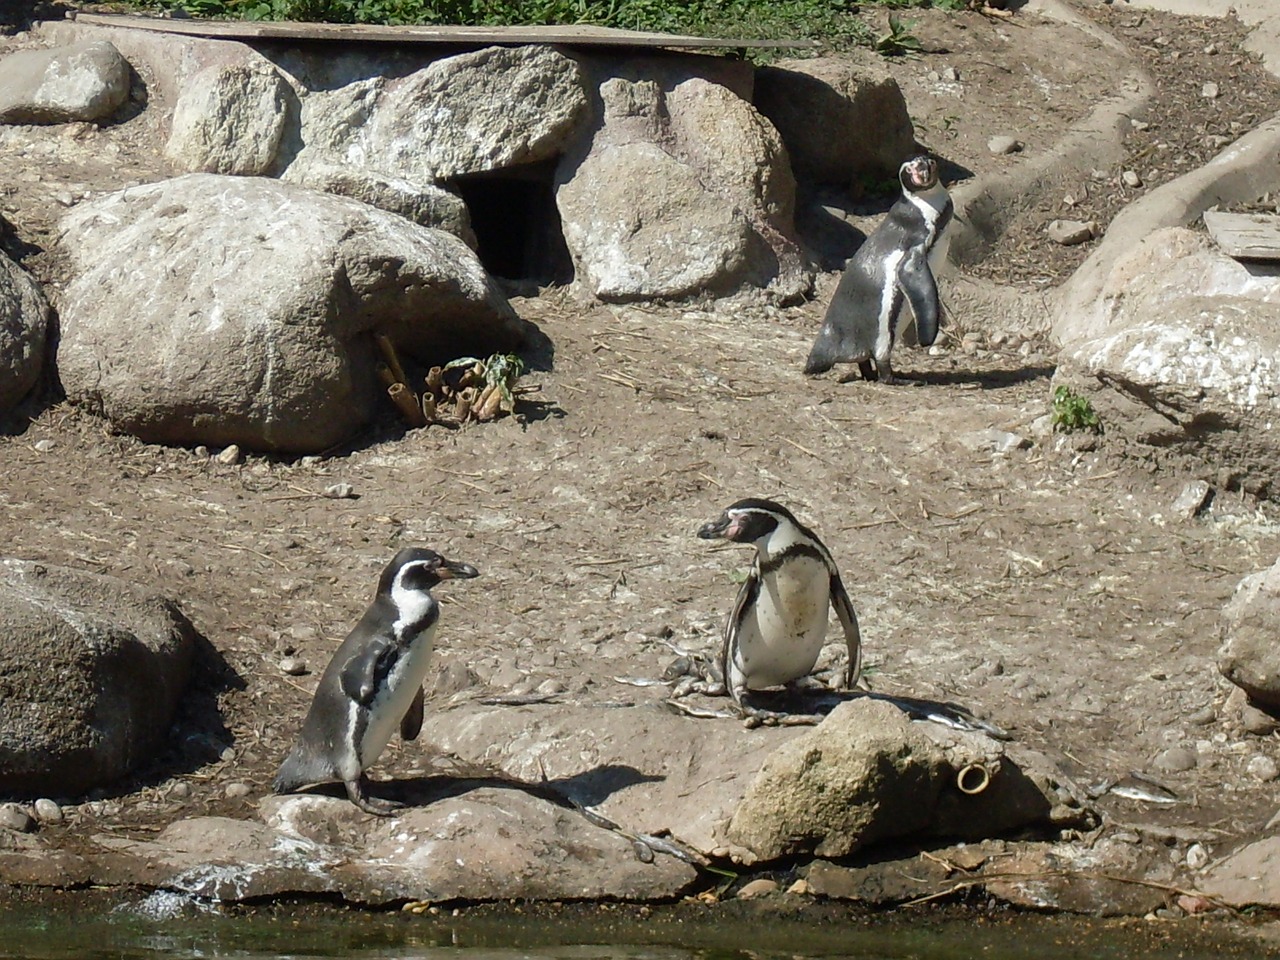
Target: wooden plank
<point>1245,236</point>
<point>570,35</point>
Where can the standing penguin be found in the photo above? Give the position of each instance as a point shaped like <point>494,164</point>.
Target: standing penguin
<point>374,682</point>
<point>892,265</point>
<point>779,620</point>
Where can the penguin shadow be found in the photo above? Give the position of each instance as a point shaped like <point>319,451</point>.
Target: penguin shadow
<point>804,700</point>
<point>585,789</point>
<point>990,379</point>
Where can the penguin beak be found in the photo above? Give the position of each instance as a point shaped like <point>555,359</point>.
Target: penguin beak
<point>716,529</point>
<point>452,569</point>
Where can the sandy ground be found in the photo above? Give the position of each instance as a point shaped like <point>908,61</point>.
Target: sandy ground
<point>1049,589</point>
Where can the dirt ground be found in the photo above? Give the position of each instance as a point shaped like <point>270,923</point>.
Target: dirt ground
<point>1048,589</point>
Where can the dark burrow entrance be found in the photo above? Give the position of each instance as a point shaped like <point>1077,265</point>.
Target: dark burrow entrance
<point>517,224</point>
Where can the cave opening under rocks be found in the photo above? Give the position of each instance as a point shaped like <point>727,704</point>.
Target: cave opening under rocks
<point>517,224</point>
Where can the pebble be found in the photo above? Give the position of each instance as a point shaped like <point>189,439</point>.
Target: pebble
<point>44,446</point>
<point>309,461</point>
<point>1068,233</point>
<point>1258,722</point>
<point>950,74</point>
<point>340,491</point>
<point>761,887</point>
<point>180,790</point>
<point>14,817</point>
<point>801,888</point>
<point>1175,760</point>
<point>47,811</point>
<point>1139,125</point>
<point>1191,500</point>
<point>201,452</point>
<point>293,666</point>
<point>1003,145</point>
<point>1211,48</point>
<point>1130,178</point>
<point>234,791</point>
<point>1202,717</point>
<point>1263,768</point>
<point>549,687</point>
<point>1209,91</point>
<point>1197,856</point>
<point>229,456</point>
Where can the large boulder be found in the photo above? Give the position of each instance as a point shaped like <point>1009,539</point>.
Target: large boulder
<point>24,316</point>
<point>1188,358</point>
<point>683,189</point>
<point>1250,654</point>
<point>868,774</point>
<point>840,117</point>
<point>489,110</point>
<point>212,309</point>
<point>231,118</point>
<point>85,81</point>
<point>91,671</point>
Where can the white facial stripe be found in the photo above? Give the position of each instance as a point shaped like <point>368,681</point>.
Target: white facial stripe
<point>930,203</point>
<point>412,606</point>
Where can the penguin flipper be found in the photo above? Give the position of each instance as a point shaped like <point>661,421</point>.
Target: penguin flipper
<point>363,674</point>
<point>411,722</point>
<point>916,282</point>
<point>852,634</point>
<point>734,680</point>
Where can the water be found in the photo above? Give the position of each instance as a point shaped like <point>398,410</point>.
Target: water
<point>169,927</point>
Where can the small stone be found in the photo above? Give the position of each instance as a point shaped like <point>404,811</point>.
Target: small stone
<point>1257,722</point>
<point>234,791</point>
<point>1202,717</point>
<point>340,491</point>
<point>14,817</point>
<point>1263,768</point>
<point>1042,426</point>
<point>47,811</point>
<point>309,461</point>
<point>1209,91</point>
<point>938,350</point>
<point>1003,145</point>
<point>1211,48</point>
<point>761,887</point>
<point>293,666</point>
<point>1191,500</point>
<point>1130,178</point>
<point>1139,125</point>
<point>201,452</point>
<point>229,456</point>
<point>1069,233</point>
<point>801,888</point>
<point>180,790</point>
<point>550,687</point>
<point>1175,760</point>
<point>227,755</point>
<point>1197,856</point>
<point>44,446</point>
<point>950,74</point>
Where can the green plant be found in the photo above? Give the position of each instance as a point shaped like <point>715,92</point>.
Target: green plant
<point>498,374</point>
<point>1072,412</point>
<point>899,40</point>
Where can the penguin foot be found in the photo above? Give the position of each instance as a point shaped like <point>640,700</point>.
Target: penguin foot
<point>357,792</point>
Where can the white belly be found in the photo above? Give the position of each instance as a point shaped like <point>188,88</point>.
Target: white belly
<point>781,638</point>
<point>390,706</point>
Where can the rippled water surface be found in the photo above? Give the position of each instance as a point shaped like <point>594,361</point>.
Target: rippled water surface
<point>164,926</point>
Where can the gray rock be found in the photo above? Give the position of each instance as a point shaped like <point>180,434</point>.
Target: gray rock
<point>866,774</point>
<point>1191,500</point>
<point>293,666</point>
<point>261,311</point>
<point>47,811</point>
<point>865,128</point>
<point>503,842</point>
<point>1175,760</point>
<point>1188,358</point>
<point>1130,179</point>
<point>83,82</point>
<point>1251,875</point>
<point>1262,768</point>
<point>229,455</point>
<point>231,118</point>
<point>24,317</point>
<point>1069,233</point>
<point>14,817</point>
<point>122,657</point>
<point>1209,91</point>
<point>429,205</point>
<point>1250,654</point>
<point>1001,145</point>
<point>678,193</point>
<point>488,110</point>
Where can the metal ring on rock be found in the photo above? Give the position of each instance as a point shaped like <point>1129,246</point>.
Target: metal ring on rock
<point>973,779</point>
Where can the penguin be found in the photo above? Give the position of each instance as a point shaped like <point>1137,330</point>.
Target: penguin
<point>374,682</point>
<point>892,265</point>
<point>779,620</point>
